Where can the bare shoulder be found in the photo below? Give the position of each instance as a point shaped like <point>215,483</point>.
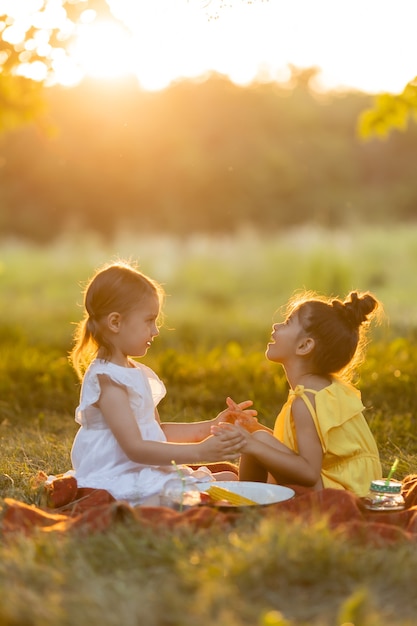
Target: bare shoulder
<point>312,385</point>
<point>300,409</point>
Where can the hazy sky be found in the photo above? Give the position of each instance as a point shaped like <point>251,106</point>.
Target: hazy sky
<point>369,45</point>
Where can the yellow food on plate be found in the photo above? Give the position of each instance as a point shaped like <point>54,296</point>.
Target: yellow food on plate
<point>220,493</point>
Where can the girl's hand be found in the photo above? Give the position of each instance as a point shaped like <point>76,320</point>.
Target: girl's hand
<point>234,410</point>
<point>245,418</point>
<point>240,406</point>
<point>232,432</point>
<point>222,445</point>
<point>248,422</point>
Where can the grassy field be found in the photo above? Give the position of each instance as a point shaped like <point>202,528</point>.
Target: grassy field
<point>222,297</point>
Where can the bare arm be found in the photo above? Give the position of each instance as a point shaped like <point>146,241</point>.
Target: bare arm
<point>114,405</point>
<point>197,431</point>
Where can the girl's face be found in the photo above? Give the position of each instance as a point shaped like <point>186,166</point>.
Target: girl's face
<point>285,339</point>
<point>135,330</point>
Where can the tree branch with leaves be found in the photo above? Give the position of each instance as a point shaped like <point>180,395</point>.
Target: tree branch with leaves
<point>389,112</point>
<point>34,40</point>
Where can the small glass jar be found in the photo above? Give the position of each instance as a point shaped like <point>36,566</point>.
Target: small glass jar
<point>384,496</point>
<point>180,494</point>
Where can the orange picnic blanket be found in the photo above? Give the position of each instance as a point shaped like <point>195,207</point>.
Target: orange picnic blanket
<point>92,510</point>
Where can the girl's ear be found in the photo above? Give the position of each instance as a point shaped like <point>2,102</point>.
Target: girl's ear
<point>305,346</point>
<point>113,322</point>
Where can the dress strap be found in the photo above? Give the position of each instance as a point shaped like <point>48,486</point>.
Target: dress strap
<point>300,392</point>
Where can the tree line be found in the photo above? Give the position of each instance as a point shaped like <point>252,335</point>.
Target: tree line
<point>201,156</point>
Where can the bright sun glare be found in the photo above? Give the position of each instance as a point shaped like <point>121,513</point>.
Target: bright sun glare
<point>370,46</point>
<point>103,50</point>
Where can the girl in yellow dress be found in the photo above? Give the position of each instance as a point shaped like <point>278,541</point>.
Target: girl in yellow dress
<point>321,438</point>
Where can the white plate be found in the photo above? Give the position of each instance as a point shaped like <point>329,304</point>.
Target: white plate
<point>261,493</point>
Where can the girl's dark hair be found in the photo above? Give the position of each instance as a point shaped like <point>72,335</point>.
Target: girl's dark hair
<point>338,329</point>
<point>118,287</point>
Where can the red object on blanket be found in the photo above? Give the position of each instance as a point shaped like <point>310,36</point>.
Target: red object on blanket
<point>60,491</point>
<point>93,510</point>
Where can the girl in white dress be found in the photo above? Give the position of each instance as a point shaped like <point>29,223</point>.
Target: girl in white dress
<point>121,445</point>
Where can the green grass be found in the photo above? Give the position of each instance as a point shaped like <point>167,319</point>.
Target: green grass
<point>219,289</point>
<point>223,295</point>
<point>137,575</point>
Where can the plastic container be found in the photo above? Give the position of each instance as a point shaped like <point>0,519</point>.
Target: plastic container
<point>384,496</point>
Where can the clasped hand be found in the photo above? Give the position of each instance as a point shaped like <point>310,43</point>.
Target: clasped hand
<point>239,413</point>
<point>234,423</point>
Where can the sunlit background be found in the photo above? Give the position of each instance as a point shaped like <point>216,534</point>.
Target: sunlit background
<point>219,144</point>
<point>204,121</point>
<point>369,45</point>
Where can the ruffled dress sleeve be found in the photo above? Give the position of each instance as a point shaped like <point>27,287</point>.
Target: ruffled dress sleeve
<point>336,406</point>
<point>144,388</point>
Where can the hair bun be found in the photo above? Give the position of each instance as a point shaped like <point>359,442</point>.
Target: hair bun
<point>357,308</point>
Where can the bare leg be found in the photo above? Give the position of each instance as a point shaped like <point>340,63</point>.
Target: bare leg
<point>225,476</point>
<point>252,469</point>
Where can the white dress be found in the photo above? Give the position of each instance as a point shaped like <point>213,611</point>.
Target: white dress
<point>97,459</point>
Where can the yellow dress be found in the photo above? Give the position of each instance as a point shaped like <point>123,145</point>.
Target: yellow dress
<point>350,455</point>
